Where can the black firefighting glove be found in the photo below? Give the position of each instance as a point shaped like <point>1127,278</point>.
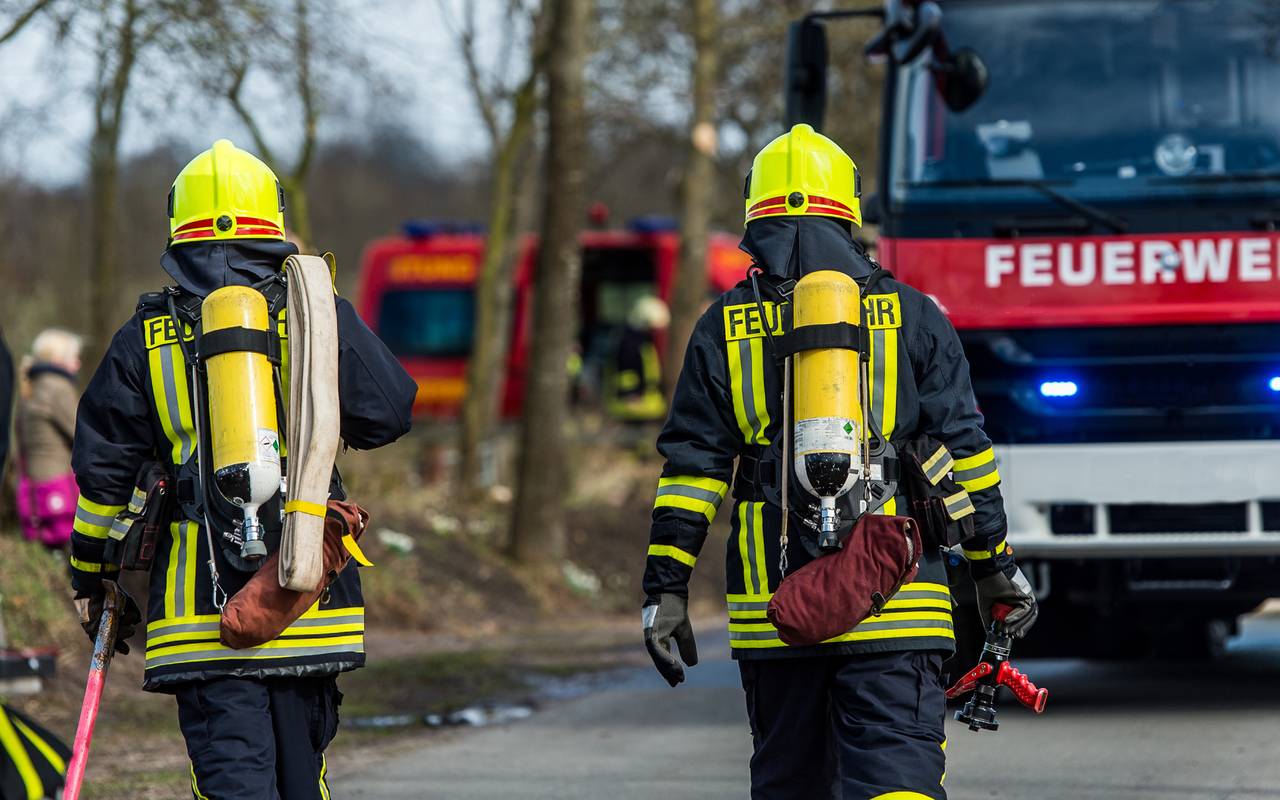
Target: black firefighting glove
<point>666,617</point>
<point>90,605</point>
<point>999,581</point>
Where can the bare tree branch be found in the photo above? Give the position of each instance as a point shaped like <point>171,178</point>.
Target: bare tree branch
<point>22,19</point>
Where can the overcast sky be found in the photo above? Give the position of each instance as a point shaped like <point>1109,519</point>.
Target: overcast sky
<point>45,113</point>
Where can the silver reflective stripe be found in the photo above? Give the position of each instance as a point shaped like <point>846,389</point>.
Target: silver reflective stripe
<point>753,635</point>
<point>962,475</point>
<point>119,527</point>
<point>253,652</point>
<point>138,501</point>
<point>181,554</point>
<point>96,520</point>
<point>761,605</point>
<point>316,622</point>
<point>877,377</point>
<point>171,402</point>
<point>960,506</point>
<point>921,594</point>
<point>693,492</point>
<point>939,469</point>
<point>876,624</point>
<point>749,390</point>
<point>187,627</point>
<point>753,558</point>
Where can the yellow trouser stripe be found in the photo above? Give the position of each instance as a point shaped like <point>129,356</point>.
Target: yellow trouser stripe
<point>982,555</point>
<point>324,783</point>
<point>20,758</point>
<point>686,558</point>
<point>195,787</point>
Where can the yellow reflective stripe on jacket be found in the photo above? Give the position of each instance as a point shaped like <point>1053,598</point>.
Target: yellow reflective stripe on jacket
<point>883,370</point>
<point>43,747</point>
<point>981,555</point>
<point>977,472</point>
<point>86,566</point>
<point>691,493</point>
<point>755,570</point>
<point>938,465</point>
<point>746,385</point>
<point>918,609</point>
<point>180,574</point>
<point>172,397</point>
<point>20,758</point>
<point>196,638</point>
<point>683,556</point>
<point>94,519</point>
<point>959,505</point>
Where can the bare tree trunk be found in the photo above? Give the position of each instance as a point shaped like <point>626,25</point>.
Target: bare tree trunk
<point>486,369</point>
<point>537,527</point>
<point>690,284</point>
<point>116,60</point>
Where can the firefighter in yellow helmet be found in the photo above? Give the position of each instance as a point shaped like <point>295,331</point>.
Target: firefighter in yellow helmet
<point>860,715</point>
<point>256,721</point>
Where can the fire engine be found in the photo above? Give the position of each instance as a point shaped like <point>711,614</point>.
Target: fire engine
<point>1090,190</point>
<point>416,292</point>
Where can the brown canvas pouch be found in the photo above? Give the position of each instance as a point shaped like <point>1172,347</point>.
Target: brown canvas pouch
<point>833,593</point>
<point>263,609</point>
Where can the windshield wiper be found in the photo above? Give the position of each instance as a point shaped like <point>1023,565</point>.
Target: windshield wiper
<point>1260,176</point>
<point>1089,212</point>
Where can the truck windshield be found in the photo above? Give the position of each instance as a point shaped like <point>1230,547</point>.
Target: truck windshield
<point>427,322</point>
<point>1105,100</point>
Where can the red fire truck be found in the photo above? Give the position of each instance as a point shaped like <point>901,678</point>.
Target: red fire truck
<point>416,292</point>
<point>1090,190</point>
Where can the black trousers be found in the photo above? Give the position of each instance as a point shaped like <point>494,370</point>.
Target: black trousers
<point>259,738</point>
<point>846,727</point>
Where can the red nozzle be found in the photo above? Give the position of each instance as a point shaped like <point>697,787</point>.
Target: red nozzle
<point>1027,692</point>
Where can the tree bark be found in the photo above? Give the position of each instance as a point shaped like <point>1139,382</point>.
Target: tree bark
<point>537,527</point>
<point>486,369</point>
<point>690,285</point>
<point>116,61</point>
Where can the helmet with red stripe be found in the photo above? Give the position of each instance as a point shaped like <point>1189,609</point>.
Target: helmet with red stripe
<point>803,173</point>
<point>225,193</point>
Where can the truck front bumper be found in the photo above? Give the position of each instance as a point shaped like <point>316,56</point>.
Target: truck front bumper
<point>1169,476</point>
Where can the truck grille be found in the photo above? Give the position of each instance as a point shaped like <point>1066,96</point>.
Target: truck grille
<point>1076,519</point>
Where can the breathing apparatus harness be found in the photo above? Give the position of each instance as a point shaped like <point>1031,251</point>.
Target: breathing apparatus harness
<point>878,481</point>
<point>186,308</point>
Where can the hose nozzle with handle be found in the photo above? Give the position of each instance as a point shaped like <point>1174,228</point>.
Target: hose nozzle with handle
<point>992,672</point>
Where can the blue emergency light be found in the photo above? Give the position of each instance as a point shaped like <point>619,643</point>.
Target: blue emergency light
<point>1065,388</point>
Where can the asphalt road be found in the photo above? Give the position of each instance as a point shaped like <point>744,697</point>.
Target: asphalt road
<point>1137,731</point>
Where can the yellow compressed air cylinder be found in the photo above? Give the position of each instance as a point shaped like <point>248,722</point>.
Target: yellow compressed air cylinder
<point>828,426</point>
<point>243,428</point>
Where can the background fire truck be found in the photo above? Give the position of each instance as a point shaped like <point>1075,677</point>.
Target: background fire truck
<point>416,292</point>
<point>1091,190</point>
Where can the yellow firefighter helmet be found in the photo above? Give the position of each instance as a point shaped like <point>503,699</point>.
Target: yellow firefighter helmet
<point>225,193</point>
<point>803,173</point>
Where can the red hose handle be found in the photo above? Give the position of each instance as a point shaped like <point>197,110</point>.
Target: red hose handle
<point>1000,610</point>
<point>1027,692</point>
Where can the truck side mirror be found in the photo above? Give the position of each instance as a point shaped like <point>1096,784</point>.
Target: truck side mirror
<point>928,23</point>
<point>961,78</point>
<point>806,76</point>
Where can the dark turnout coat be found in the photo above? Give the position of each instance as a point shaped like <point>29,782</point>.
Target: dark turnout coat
<point>727,411</point>
<point>139,407</point>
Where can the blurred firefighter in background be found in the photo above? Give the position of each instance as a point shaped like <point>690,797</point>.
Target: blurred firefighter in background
<point>859,716</point>
<point>256,721</point>
<point>633,379</point>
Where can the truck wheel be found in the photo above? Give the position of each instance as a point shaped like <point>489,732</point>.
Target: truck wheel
<point>1198,641</point>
